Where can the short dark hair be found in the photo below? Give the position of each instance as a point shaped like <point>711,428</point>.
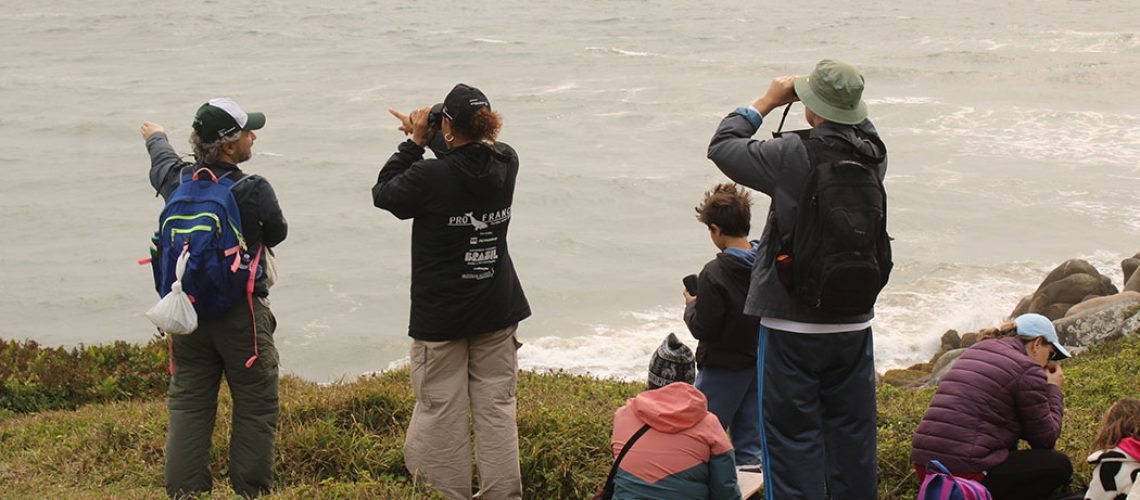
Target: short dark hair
<point>729,207</point>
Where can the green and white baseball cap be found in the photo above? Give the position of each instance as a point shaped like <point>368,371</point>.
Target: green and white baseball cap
<point>221,117</point>
<point>834,91</point>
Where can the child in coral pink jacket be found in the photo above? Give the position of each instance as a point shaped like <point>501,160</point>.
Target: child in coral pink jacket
<point>686,453</point>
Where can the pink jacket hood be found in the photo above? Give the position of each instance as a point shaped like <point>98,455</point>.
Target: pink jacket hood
<point>672,409</point>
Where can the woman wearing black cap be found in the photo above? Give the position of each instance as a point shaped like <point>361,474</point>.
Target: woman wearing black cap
<point>466,298</point>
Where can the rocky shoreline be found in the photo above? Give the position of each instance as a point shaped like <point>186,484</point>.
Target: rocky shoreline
<point>1084,305</point>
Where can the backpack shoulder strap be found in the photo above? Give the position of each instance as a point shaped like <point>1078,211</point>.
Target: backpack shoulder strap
<point>186,173</point>
<point>814,149</point>
<point>241,180</point>
<point>820,152</point>
<point>609,488</point>
<point>786,222</point>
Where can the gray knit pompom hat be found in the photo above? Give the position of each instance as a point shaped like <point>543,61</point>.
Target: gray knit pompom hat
<point>672,362</point>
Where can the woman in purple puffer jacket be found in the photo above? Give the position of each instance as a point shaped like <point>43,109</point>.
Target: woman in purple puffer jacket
<point>999,392</point>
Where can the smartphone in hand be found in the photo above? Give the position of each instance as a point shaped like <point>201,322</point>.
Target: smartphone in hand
<point>690,283</point>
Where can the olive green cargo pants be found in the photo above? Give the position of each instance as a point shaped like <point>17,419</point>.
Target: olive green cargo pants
<point>219,346</point>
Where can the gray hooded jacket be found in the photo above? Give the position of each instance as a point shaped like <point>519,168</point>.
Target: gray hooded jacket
<point>778,168</point>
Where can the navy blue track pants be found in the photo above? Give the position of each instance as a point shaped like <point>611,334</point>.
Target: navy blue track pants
<point>818,413</point>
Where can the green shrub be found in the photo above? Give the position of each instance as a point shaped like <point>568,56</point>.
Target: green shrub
<point>35,378</point>
<point>564,432</point>
<point>900,411</point>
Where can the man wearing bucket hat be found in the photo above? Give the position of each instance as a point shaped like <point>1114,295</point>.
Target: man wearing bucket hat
<point>815,365</point>
<point>999,392</point>
<point>222,138</point>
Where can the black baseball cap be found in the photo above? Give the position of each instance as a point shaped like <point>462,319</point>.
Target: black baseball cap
<point>463,102</point>
<point>221,117</point>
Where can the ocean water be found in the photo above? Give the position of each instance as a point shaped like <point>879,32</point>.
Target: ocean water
<point>1013,130</point>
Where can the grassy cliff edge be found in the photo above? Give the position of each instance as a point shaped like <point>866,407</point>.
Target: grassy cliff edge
<point>103,433</point>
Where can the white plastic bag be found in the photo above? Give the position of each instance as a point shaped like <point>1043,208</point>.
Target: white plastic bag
<point>174,313</point>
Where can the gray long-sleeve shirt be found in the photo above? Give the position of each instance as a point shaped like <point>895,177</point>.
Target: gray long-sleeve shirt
<point>778,168</point>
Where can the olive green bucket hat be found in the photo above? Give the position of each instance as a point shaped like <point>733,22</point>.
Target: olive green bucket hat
<point>834,91</point>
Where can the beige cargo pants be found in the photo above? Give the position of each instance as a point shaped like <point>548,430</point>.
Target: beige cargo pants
<point>479,373</point>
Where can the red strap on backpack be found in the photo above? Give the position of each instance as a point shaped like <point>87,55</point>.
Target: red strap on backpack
<point>208,171</point>
<point>249,297</point>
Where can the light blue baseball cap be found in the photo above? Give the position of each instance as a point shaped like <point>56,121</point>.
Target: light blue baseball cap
<point>1036,325</point>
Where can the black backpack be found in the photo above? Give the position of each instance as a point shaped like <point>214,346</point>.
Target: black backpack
<point>837,257</point>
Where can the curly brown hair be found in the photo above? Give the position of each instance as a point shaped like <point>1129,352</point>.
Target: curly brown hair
<point>209,152</point>
<point>729,207</point>
<point>1122,420</point>
<point>483,127</point>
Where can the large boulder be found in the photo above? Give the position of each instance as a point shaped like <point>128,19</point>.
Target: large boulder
<point>1131,277</point>
<point>1072,282</point>
<point>1129,266</point>
<point>943,365</point>
<point>951,340</point>
<point>921,367</point>
<point>905,378</point>
<point>969,339</point>
<point>1133,283</point>
<point>1098,302</point>
<point>1106,319</point>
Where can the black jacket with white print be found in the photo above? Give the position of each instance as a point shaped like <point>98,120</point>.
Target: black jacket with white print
<point>463,280</point>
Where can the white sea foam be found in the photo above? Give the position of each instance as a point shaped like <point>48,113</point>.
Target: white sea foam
<point>31,16</point>
<point>562,87</point>
<point>1072,41</point>
<point>492,41</point>
<point>368,94</point>
<point>1055,41</point>
<point>608,352</point>
<point>905,100</point>
<point>992,45</point>
<point>621,52</point>
<point>395,365</point>
<point>614,114</point>
<point>1099,212</point>
<point>630,93</point>
<point>1078,137</point>
<point>619,352</point>
<point>909,321</point>
<point>314,330</point>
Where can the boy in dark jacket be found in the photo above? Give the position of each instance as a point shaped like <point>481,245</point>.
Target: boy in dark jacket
<point>726,351</point>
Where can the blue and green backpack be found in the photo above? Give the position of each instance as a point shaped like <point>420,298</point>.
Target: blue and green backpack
<point>201,216</point>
